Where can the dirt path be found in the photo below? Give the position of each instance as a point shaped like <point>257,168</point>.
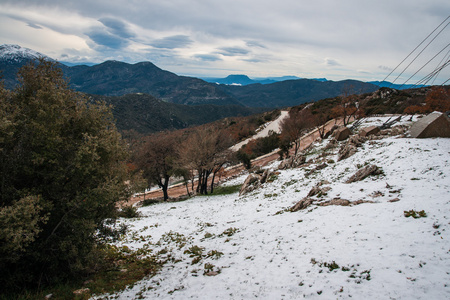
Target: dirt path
<point>178,190</point>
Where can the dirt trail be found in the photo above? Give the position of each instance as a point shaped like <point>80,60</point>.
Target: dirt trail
<point>178,190</point>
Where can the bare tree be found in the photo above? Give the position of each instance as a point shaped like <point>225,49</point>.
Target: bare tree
<point>293,127</point>
<point>205,151</point>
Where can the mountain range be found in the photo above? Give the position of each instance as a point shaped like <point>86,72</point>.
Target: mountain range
<point>115,78</point>
<point>240,79</point>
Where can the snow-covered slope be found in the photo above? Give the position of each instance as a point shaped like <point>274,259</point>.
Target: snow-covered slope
<point>17,54</point>
<point>365,251</point>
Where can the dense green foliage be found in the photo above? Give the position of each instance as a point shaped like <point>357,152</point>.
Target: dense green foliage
<point>62,170</point>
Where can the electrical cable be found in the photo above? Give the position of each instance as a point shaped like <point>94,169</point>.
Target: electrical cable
<point>419,53</point>
<point>446,57</point>
<point>423,66</point>
<point>413,50</point>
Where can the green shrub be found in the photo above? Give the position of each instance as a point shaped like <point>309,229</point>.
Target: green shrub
<point>62,170</point>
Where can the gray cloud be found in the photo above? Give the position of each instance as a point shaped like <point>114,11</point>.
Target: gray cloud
<point>255,44</point>
<point>207,57</point>
<point>233,51</point>
<point>172,42</point>
<point>103,38</point>
<point>332,62</point>
<point>384,68</point>
<point>254,60</point>
<point>32,25</point>
<point>117,27</point>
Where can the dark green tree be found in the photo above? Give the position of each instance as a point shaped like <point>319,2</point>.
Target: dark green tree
<point>62,171</point>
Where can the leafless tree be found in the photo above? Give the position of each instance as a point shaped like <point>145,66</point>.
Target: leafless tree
<point>205,151</point>
<point>294,126</point>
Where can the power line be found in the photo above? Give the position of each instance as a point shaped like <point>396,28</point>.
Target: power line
<point>427,78</point>
<point>445,58</point>
<point>424,65</point>
<point>414,50</point>
<point>421,51</point>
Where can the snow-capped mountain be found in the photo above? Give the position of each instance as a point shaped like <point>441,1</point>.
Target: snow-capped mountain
<point>17,54</point>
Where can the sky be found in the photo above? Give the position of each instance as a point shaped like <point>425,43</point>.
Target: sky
<point>355,39</point>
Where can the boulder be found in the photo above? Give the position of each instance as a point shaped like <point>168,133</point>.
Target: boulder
<point>342,133</point>
<point>317,190</point>
<point>346,151</point>
<point>366,131</point>
<point>250,184</point>
<point>336,201</point>
<point>364,172</point>
<point>349,148</point>
<point>436,124</point>
<point>302,204</point>
<point>292,162</point>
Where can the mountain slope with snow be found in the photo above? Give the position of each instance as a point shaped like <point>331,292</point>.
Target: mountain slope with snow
<point>18,54</point>
<point>370,250</point>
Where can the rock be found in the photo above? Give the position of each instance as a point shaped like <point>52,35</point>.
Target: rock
<point>366,131</point>
<point>342,133</point>
<point>331,144</point>
<point>356,140</point>
<point>314,191</point>
<point>335,201</point>
<point>357,202</point>
<point>436,124</point>
<point>250,184</point>
<point>318,168</point>
<point>82,291</point>
<point>212,273</point>
<point>264,176</point>
<point>394,200</point>
<point>364,172</point>
<point>349,148</point>
<point>346,151</point>
<point>302,204</point>
<point>292,162</point>
<point>317,190</point>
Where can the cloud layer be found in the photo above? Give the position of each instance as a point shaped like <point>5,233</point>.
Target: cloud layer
<point>323,38</point>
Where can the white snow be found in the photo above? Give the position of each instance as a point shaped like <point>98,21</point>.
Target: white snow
<point>380,253</point>
<point>18,53</point>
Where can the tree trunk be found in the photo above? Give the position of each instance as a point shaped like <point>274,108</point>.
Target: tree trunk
<point>200,177</point>
<point>165,186</point>
<point>212,182</point>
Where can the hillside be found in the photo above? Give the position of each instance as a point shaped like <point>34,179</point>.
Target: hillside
<point>294,92</point>
<point>146,114</point>
<point>114,78</point>
<point>240,247</point>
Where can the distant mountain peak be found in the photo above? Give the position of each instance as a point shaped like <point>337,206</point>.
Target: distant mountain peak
<point>16,53</point>
<point>238,76</point>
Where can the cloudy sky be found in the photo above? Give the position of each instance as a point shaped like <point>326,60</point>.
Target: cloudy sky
<point>359,39</point>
